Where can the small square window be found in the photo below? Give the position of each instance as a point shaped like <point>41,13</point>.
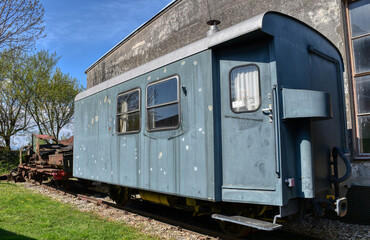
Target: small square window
<point>128,112</point>
<point>245,89</point>
<point>162,103</point>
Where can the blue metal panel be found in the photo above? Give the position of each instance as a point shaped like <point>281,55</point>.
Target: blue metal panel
<point>249,161</point>
<point>299,103</point>
<point>179,161</point>
<point>308,61</point>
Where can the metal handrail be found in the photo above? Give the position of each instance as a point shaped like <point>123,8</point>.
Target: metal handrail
<point>337,151</point>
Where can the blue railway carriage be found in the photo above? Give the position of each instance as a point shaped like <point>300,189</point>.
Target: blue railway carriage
<point>245,123</point>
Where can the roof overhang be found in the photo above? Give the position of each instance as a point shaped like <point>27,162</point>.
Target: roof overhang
<point>215,39</point>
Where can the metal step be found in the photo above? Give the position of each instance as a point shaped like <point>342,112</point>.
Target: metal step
<point>249,222</point>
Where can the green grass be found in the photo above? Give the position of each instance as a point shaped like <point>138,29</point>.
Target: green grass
<point>27,215</point>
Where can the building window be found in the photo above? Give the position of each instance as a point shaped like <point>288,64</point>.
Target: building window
<point>162,104</point>
<point>245,89</point>
<point>359,23</point>
<point>128,112</point>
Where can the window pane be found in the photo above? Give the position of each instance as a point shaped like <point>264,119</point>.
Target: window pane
<point>361,49</point>
<point>163,117</point>
<point>363,94</point>
<point>245,90</point>
<point>162,92</point>
<point>128,102</point>
<point>360,17</point>
<point>128,122</point>
<point>364,130</point>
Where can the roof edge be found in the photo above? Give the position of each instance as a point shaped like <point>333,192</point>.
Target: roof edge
<point>237,30</point>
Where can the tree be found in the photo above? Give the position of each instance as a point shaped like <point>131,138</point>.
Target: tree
<point>13,96</point>
<point>21,23</point>
<point>52,103</point>
<point>41,65</point>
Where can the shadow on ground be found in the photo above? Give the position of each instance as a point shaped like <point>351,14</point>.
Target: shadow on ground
<point>6,235</point>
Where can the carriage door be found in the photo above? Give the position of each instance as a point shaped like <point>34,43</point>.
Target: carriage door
<point>248,142</point>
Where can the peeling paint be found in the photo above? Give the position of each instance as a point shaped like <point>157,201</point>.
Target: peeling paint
<point>195,63</point>
<point>165,70</point>
<point>160,155</point>
<point>138,44</point>
<point>210,108</point>
<point>149,77</point>
<point>96,118</point>
<point>183,63</point>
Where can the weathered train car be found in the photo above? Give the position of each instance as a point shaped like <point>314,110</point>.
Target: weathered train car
<point>247,119</point>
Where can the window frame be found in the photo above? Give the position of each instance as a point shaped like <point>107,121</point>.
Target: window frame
<point>352,75</point>
<point>259,88</point>
<point>177,77</point>
<point>119,114</point>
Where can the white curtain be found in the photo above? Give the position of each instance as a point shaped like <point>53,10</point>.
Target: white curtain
<point>246,88</point>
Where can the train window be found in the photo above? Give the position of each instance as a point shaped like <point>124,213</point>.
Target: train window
<point>162,103</point>
<point>128,112</point>
<point>245,89</point>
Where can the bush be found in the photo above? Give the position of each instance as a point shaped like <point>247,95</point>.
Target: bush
<point>8,161</point>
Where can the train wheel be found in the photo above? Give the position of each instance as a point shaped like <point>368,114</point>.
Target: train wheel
<point>119,194</point>
<point>24,175</point>
<point>234,230</point>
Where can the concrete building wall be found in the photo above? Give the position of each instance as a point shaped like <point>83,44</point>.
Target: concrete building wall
<point>185,22</point>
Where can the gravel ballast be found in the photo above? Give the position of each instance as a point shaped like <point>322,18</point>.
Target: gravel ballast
<point>320,229</point>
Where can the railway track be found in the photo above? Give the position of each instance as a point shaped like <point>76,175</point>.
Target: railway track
<point>179,219</point>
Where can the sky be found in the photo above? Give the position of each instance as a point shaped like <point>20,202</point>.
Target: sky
<point>81,31</point>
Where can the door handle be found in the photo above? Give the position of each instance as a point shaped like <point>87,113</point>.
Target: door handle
<point>268,111</point>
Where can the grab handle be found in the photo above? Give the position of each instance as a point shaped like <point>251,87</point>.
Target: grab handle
<point>337,151</point>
